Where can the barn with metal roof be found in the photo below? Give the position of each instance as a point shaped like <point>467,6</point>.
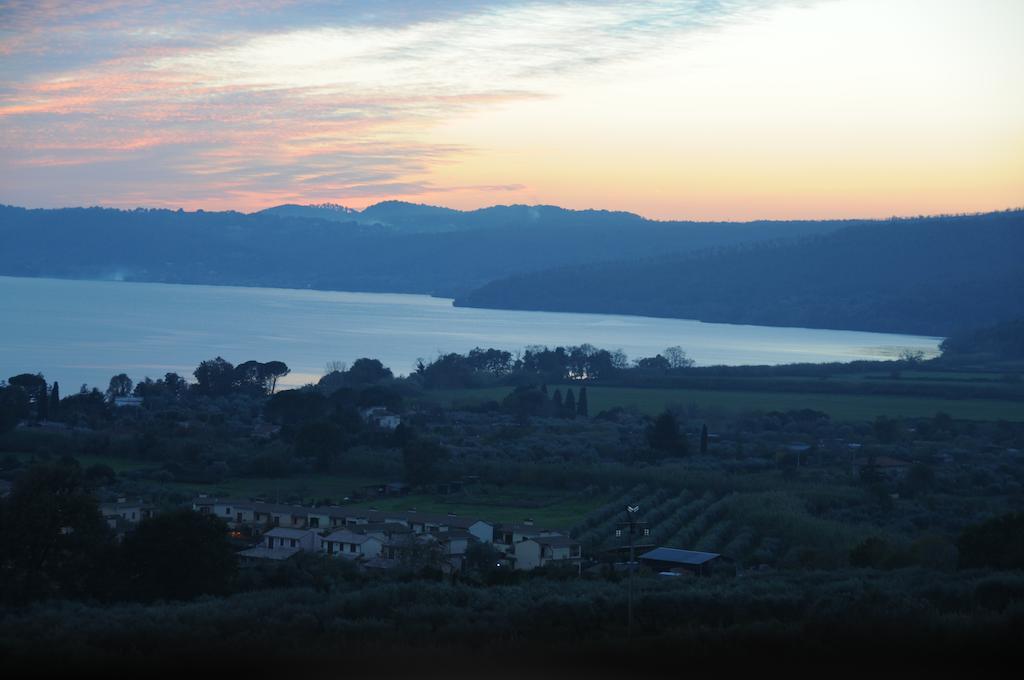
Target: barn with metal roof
<point>674,559</point>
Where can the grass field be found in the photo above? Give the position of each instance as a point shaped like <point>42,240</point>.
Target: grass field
<point>308,487</point>
<point>553,509</point>
<point>840,407</point>
<point>550,509</point>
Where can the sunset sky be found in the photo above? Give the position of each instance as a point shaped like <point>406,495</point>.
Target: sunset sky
<point>697,109</point>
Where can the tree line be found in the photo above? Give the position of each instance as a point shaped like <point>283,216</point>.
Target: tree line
<point>540,364</point>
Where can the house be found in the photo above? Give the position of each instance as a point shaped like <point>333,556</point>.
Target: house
<point>351,545</point>
<point>380,417</point>
<point>679,561</point>
<point>233,512</point>
<point>283,537</point>
<point>507,535</point>
<point>291,516</point>
<point>424,523</point>
<point>133,402</point>
<point>319,518</point>
<point>542,551</point>
<point>127,512</point>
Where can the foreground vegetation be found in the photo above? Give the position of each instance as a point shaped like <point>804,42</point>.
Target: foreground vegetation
<point>853,515</point>
<point>912,617</point>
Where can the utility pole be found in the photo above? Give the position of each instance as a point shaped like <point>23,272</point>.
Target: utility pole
<point>633,527</point>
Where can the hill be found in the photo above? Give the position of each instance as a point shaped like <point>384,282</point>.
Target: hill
<point>424,249</point>
<point>932,276</point>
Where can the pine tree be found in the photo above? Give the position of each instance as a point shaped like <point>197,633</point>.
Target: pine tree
<point>582,409</point>
<point>55,401</point>
<point>570,404</point>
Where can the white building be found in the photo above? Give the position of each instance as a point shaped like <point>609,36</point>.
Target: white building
<point>350,545</point>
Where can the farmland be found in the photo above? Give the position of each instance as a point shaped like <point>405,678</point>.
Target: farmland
<point>840,407</point>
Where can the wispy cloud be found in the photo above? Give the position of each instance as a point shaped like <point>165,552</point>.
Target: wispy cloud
<point>242,104</point>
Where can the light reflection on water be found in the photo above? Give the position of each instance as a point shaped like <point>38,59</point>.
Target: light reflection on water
<point>85,331</point>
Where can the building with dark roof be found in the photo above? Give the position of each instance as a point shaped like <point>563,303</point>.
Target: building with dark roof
<point>676,560</point>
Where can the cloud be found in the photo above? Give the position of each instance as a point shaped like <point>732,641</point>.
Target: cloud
<point>251,101</point>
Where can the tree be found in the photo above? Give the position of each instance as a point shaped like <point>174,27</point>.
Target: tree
<point>601,364</point>
<point>420,459</point>
<point>175,384</point>
<point>88,407</point>
<point>178,555</point>
<point>272,372</point>
<point>365,371</point>
<point>887,430</point>
<point>677,358</point>
<point>214,377</point>
<point>51,535</point>
<point>120,386</point>
<point>293,407</point>
<point>483,560</point>
<point>341,366</point>
<point>248,375</point>
<point>34,387</point>
<point>656,363</point>
<point>14,405</point>
<point>582,409</point>
<point>997,543</point>
<point>420,554</point>
<point>919,479</point>
<point>44,405</point>
<point>570,404</point>
<point>525,401</point>
<point>321,441</point>
<point>911,356</point>
<point>665,435</point>
<point>704,438</point>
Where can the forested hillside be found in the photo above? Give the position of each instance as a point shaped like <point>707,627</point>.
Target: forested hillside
<point>389,247</point>
<point>926,275</point>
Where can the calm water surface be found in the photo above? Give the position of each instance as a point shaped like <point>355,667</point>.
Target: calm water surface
<point>85,331</point>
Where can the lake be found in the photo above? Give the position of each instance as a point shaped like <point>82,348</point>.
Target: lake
<point>83,332</point>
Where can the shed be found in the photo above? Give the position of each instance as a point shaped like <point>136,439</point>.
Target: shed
<point>674,559</point>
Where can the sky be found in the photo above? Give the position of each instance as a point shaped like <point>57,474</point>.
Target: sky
<point>695,109</point>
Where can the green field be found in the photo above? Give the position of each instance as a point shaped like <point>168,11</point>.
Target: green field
<point>840,407</point>
<point>553,510</point>
<point>308,487</point>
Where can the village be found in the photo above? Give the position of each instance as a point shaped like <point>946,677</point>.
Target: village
<point>379,541</point>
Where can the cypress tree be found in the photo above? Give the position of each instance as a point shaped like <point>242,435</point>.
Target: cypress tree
<point>54,400</point>
<point>581,404</point>
<point>570,404</point>
<point>556,399</point>
<point>704,438</point>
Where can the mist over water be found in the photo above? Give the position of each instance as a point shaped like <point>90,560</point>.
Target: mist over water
<point>83,332</point>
